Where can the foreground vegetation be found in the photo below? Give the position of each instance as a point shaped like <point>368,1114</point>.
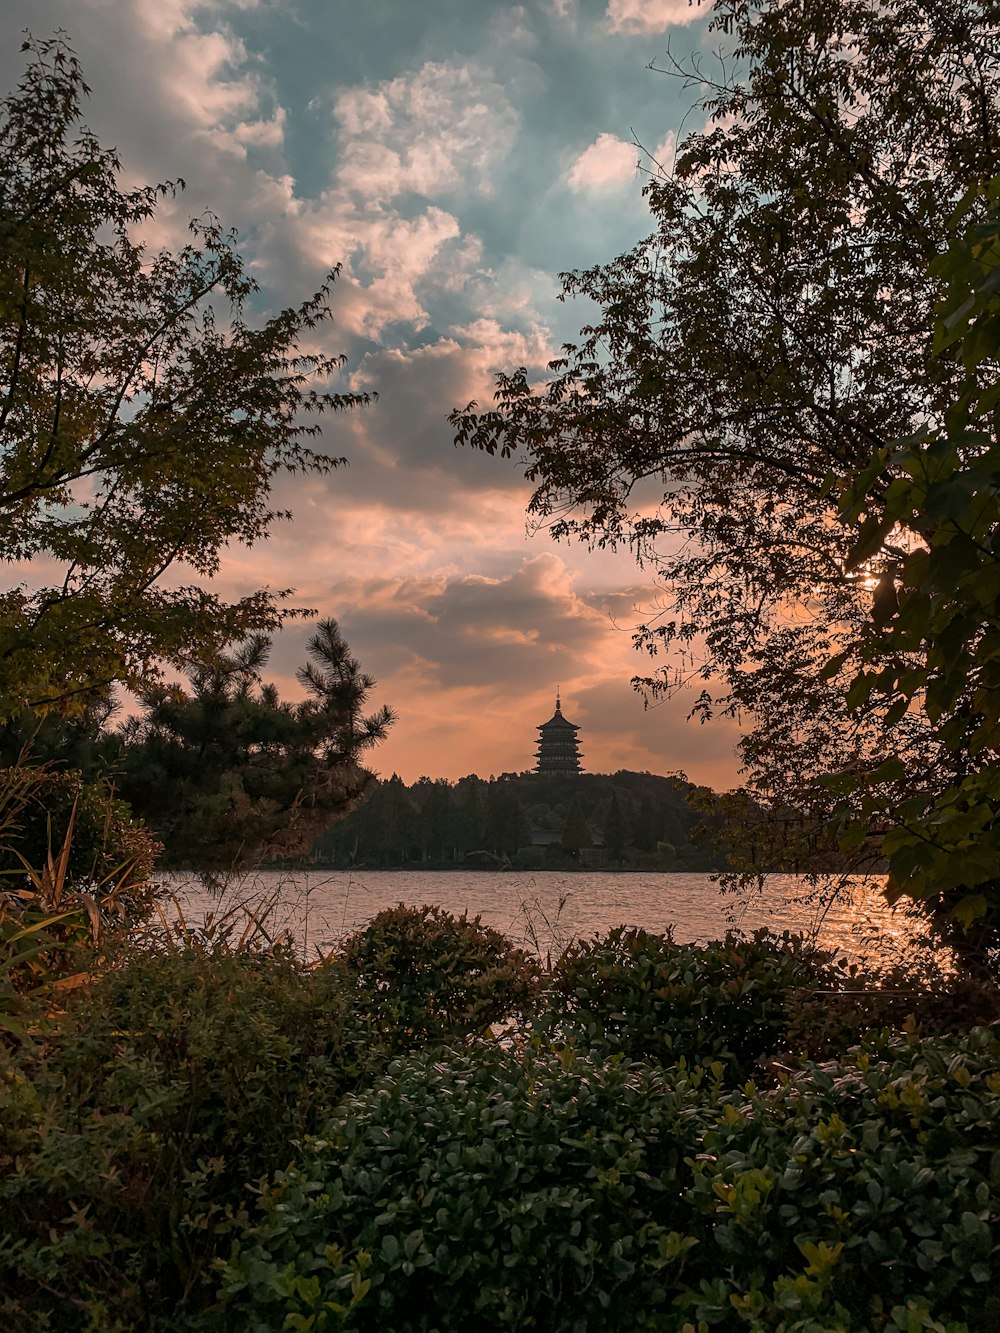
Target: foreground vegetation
<point>738,1136</point>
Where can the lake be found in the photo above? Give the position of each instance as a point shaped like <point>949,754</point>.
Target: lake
<point>545,910</point>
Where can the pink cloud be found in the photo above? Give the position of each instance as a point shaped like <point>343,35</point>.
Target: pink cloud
<point>419,549</point>
<point>471,664</point>
<point>608,164</point>
<point>650,16</point>
<point>442,127</point>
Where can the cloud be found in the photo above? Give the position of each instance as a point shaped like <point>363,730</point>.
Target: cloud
<point>608,164</point>
<point>211,84</point>
<point>401,449</point>
<point>176,91</point>
<point>445,127</point>
<point>269,133</point>
<point>471,664</point>
<point>392,257</point>
<point>511,27</point>
<point>483,652</point>
<point>207,90</point>
<point>444,184</point>
<point>392,265</point>
<point>472,628</point>
<point>441,130</point>
<point>497,346</point>
<point>661,159</point>
<point>210,110</point>
<point>408,499</point>
<point>164,18</point>
<point>651,16</point>
<point>619,731</point>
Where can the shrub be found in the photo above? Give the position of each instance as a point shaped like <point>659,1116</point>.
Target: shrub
<point>547,1188</point>
<point>650,998</point>
<point>74,876</point>
<point>480,1190</point>
<point>915,997</point>
<point>129,1139</point>
<point>109,854</point>
<point>557,1193</point>
<point>861,1196</point>
<point>425,974</point>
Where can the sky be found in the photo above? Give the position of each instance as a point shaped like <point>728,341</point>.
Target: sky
<point>454,156</point>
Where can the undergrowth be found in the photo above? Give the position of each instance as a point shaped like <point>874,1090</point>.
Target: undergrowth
<point>427,1131</point>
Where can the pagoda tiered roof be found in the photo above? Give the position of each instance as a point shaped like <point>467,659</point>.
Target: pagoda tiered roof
<point>558,747</point>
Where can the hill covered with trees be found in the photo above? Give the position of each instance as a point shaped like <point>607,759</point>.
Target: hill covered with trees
<point>531,821</point>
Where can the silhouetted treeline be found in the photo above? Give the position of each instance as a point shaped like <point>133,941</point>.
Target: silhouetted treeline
<point>198,783</point>
<point>529,820</point>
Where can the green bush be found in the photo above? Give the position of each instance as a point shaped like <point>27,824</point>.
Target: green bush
<point>110,855</point>
<point>556,1193</point>
<point>480,1190</point>
<point>649,998</point>
<point>130,1137</point>
<point>549,1187</point>
<point>128,1140</point>
<point>431,976</point>
<point>864,1195</point>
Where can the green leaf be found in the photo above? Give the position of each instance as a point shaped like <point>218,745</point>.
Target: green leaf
<point>871,538</point>
<point>970,908</point>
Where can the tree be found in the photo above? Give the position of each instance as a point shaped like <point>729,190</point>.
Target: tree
<point>773,334</point>
<point>616,831</point>
<point>470,814</point>
<point>143,419</point>
<point>394,817</point>
<point>932,643</point>
<point>436,818</point>
<point>227,774</point>
<point>83,740</point>
<point>576,831</point>
<point>506,825</point>
<point>648,825</point>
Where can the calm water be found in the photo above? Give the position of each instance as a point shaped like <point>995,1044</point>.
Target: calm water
<point>545,910</point>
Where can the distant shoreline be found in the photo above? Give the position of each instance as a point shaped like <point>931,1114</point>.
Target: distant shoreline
<point>432,869</point>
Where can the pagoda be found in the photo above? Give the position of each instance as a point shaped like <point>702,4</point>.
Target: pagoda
<point>558,747</point>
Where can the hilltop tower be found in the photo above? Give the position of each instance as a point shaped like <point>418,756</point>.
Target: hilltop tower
<point>558,747</point>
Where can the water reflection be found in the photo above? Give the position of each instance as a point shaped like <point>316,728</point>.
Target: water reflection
<point>546,910</point>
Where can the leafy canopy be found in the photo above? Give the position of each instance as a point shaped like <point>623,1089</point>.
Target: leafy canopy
<point>772,335</point>
<point>932,644</point>
<point>143,419</point>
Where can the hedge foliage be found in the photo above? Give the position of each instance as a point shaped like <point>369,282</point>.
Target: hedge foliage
<point>862,1194</point>
<point>215,1140</point>
<point>484,1190</point>
<point>436,975</point>
<point>554,1192</point>
<point>130,1137</point>
<point>647,997</point>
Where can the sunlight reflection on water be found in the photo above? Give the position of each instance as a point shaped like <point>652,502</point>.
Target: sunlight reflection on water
<point>546,910</point>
